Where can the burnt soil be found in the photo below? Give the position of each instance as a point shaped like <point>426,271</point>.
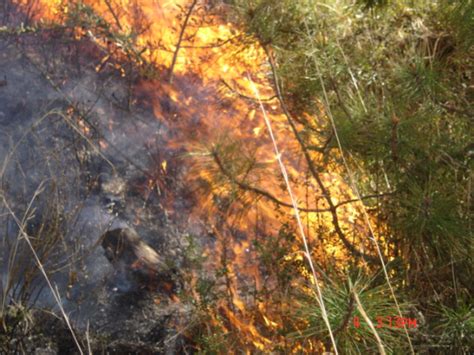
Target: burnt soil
<point>80,155</point>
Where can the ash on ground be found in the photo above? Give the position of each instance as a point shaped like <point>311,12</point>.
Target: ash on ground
<point>77,159</point>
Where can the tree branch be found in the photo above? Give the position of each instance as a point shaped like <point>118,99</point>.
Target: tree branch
<point>178,45</point>
<point>247,187</point>
<point>245,96</point>
<point>366,197</point>
<point>312,168</point>
<point>216,44</point>
<point>117,21</point>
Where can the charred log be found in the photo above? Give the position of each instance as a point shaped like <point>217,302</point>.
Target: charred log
<point>137,261</point>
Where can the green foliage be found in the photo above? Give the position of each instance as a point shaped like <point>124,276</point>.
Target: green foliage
<point>419,80</point>
<point>274,22</point>
<point>351,330</point>
<point>273,252</point>
<point>212,343</point>
<point>455,328</point>
<point>460,18</point>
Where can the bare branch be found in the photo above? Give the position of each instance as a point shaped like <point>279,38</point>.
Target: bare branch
<point>117,21</point>
<point>178,45</point>
<point>247,187</point>
<point>245,96</point>
<point>214,45</point>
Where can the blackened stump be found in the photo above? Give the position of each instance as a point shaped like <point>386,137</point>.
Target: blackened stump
<point>136,260</point>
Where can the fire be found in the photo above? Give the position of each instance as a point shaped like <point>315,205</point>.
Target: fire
<point>211,109</point>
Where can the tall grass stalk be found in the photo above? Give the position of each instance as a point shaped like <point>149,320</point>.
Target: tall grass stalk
<point>54,290</point>
<point>297,216</point>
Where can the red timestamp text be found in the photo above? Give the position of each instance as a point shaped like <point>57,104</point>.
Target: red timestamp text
<point>388,322</point>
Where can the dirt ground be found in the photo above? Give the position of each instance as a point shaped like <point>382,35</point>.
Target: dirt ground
<point>75,160</point>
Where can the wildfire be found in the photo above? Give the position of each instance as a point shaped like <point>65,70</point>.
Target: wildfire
<point>211,109</point>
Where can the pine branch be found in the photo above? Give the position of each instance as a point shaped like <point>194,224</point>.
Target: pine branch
<point>247,187</point>
<point>312,168</point>
<point>244,186</point>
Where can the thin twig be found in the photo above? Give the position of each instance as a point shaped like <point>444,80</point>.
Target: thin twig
<point>117,21</point>
<point>366,197</point>
<point>213,45</point>
<point>178,45</point>
<point>345,320</point>
<point>347,317</point>
<point>247,187</point>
